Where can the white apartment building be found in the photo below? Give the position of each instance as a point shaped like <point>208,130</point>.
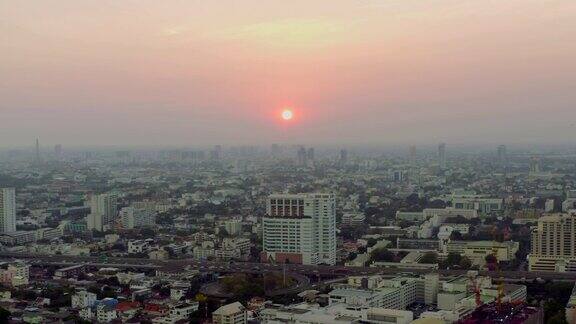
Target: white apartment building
<point>300,228</point>
<point>103,211</point>
<point>17,274</point>
<point>105,313</point>
<point>7,210</point>
<point>138,246</point>
<point>353,219</point>
<point>83,299</point>
<point>337,313</point>
<point>241,244</point>
<point>554,244</point>
<point>483,205</point>
<point>135,218</point>
<point>233,227</point>
<point>234,313</point>
<point>396,293</point>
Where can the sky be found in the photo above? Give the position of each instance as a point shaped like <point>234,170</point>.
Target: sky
<point>198,72</point>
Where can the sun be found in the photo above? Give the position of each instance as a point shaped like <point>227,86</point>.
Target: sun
<point>287,114</point>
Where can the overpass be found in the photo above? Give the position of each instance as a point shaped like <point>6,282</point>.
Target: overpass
<point>320,271</point>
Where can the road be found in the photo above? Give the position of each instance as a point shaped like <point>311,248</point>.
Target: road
<point>228,267</point>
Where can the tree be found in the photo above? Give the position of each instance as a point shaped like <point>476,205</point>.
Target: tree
<point>147,232</point>
<point>4,315</point>
<point>382,255</point>
<point>429,258</point>
<point>453,259</point>
<point>456,236</point>
<point>491,259</point>
<point>465,263</point>
<point>558,318</point>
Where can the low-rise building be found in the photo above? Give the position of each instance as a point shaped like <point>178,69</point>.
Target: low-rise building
<point>234,313</point>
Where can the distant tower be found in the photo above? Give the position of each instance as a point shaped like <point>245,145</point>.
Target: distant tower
<point>302,157</point>
<point>216,154</point>
<point>442,156</point>
<point>502,156</point>
<point>310,155</point>
<point>534,165</point>
<point>412,157</point>
<point>58,151</point>
<point>37,150</point>
<point>275,150</point>
<point>343,157</point>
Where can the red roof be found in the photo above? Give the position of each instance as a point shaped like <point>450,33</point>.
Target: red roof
<point>127,305</point>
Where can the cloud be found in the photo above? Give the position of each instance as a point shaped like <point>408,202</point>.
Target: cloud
<point>289,33</point>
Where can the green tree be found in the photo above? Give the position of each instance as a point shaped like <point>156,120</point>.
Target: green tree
<point>382,255</point>
<point>4,315</point>
<point>429,258</point>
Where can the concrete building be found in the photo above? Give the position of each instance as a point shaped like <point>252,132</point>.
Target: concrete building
<point>234,313</point>
<point>233,227</point>
<point>136,218</point>
<point>83,299</point>
<point>103,211</point>
<point>477,251</point>
<point>305,313</point>
<point>442,156</point>
<point>17,274</point>
<point>502,156</point>
<point>7,210</point>
<point>554,244</point>
<point>138,246</point>
<point>483,205</point>
<point>300,228</point>
<point>353,219</point>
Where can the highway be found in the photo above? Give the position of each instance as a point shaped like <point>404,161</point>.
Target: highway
<point>321,271</point>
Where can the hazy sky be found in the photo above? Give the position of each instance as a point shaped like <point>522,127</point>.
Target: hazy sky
<point>102,72</point>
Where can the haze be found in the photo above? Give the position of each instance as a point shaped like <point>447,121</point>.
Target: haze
<point>141,72</point>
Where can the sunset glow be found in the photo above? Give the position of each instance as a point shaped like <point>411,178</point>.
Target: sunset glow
<point>257,71</point>
<point>287,114</point>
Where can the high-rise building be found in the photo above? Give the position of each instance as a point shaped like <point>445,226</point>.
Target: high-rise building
<point>343,157</point>
<point>302,156</point>
<point>58,151</point>
<point>412,156</point>
<point>300,228</point>
<point>554,244</point>
<point>135,218</point>
<point>216,154</point>
<point>38,150</point>
<point>502,156</point>
<point>534,165</point>
<point>275,150</point>
<point>103,211</point>
<point>7,210</point>
<point>442,156</point>
<point>310,154</point>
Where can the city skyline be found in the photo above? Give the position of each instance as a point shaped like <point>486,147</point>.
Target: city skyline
<point>367,72</point>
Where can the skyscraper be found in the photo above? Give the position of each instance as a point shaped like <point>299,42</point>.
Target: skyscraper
<point>534,165</point>
<point>302,157</point>
<point>442,156</point>
<point>7,210</point>
<point>502,156</point>
<point>343,157</point>
<point>37,150</point>
<point>300,228</point>
<point>58,151</point>
<point>310,157</point>
<point>103,211</point>
<point>412,156</point>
